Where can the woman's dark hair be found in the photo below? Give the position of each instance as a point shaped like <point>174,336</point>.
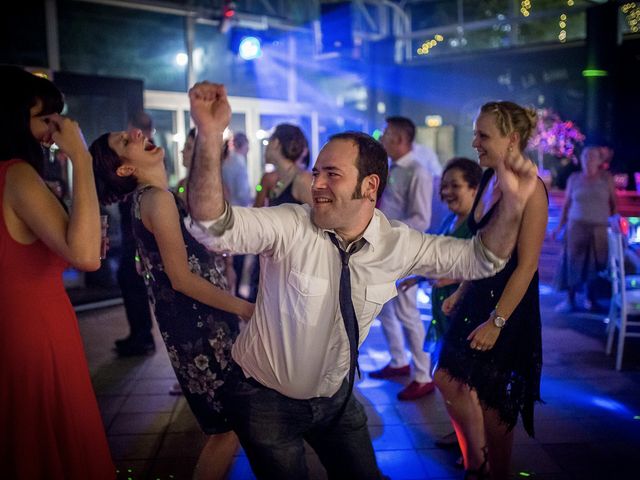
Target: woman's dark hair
<point>471,171</point>
<point>292,140</point>
<point>110,186</point>
<point>21,91</point>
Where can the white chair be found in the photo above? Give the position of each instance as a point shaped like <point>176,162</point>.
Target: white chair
<point>624,302</point>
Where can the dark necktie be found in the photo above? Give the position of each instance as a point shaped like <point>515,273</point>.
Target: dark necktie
<point>348,311</point>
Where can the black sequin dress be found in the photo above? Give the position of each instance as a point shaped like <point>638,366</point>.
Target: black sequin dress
<point>198,337</point>
<point>507,377</point>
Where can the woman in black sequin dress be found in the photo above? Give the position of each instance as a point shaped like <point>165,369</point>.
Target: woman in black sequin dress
<point>187,286</point>
<point>491,360</point>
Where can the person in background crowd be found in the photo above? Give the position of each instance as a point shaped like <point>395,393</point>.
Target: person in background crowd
<point>460,180</point>
<point>236,182</point>
<point>234,171</point>
<point>288,183</point>
<point>287,145</point>
<point>187,157</point>
<point>491,359</point>
<point>197,317</point>
<point>407,199</point>
<point>134,293</point>
<point>590,199</point>
<point>327,269</point>
<point>50,426</point>
<point>458,189</point>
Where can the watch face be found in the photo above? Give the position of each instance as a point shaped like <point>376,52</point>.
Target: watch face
<point>499,321</point>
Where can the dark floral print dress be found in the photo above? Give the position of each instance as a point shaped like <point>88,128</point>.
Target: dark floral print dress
<point>198,337</point>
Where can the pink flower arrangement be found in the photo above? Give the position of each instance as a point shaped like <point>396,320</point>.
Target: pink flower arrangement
<point>555,136</point>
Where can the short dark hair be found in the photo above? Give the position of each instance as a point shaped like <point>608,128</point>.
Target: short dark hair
<point>110,186</point>
<point>141,120</point>
<point>292,140</point>
<point>372,157</point>
<point>21,91</point>
<point>471,171</point>
<point>403,124</point>
<point>240,140</point>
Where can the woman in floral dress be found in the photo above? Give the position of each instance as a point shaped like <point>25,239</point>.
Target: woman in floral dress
<point>187,287</point>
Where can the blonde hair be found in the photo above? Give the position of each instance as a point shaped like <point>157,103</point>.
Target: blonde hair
<point>511,117</point>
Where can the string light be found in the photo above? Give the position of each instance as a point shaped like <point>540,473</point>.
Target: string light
<point>562,36</point>
<point>632,14</point>
<point>429,44</point>
<point>525,7</point>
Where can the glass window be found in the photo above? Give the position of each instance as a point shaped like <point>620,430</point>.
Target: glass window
<point>550,29</point>
<point>187,122</point>
<point>24,25</point>
<point>433,14</point>
<point>496,36</point>
<point>238,123</point>
<point>120,42</point>
<point>165,130</point>
<point>486,9</point>
<point>629,18</point>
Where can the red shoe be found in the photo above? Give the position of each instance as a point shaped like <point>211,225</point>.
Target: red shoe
<point>416,390</point>
<point>389,371</point>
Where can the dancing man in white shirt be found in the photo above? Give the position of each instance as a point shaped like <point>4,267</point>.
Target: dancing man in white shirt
<point>295,357</point>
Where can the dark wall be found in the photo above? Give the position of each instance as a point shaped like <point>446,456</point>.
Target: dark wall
<point>100,104</point>
<point>457,87</point>
<point>626,138</point>
<point>548,77</point>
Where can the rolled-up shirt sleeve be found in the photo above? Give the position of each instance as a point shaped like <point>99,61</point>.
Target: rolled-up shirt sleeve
<point>446,257</point>
<point>242,230</point>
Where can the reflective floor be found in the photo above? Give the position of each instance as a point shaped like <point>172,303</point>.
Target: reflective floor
<point>589,427</point>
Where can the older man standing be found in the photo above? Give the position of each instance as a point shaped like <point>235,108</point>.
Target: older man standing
<point>407,199</point>
<point>326,271</point>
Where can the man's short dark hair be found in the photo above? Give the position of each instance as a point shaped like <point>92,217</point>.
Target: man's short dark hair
<point>405,125</point>
<point>372,158</point>
<point>240,140</point>
<point>141,120</point>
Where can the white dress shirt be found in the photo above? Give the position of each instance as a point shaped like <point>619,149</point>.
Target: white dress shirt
<point>407,196</point>
<point>428,158</point>
<point>296,342</point>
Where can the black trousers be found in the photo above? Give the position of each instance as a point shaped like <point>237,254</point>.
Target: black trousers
<point>134,296</point>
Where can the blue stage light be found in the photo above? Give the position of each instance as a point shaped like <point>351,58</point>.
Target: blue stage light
<point>250,48</point>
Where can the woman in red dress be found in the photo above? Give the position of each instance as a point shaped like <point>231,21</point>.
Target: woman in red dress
<point>50,426</point>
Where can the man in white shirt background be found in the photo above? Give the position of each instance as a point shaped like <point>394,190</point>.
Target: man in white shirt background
<point>295,355</point>
<point>236,180</point>
<point>407,199</point>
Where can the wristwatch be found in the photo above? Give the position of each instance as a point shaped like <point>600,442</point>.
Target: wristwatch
<point>498,320</point>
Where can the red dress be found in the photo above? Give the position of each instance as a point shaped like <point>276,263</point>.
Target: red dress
<point>50,425</point>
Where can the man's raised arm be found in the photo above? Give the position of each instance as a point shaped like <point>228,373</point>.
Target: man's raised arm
<point>211,113</point>
<point>516,178</point>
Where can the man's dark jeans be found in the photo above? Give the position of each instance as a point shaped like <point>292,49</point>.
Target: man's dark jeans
<point>272,427</point>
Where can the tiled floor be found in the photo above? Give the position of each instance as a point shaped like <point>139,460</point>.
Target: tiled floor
<point>589,427</point>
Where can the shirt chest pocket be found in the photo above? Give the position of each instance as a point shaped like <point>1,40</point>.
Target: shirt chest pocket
<point>375,297</point>
<point>305,296</point>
